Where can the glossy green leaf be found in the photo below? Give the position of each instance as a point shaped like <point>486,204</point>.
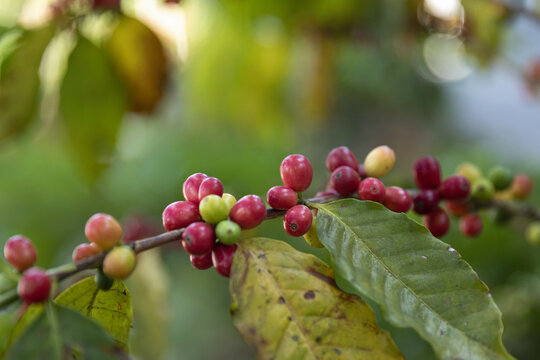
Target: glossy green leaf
<point>419,281</point>
<point>286,304</point>
<point>111,309</point>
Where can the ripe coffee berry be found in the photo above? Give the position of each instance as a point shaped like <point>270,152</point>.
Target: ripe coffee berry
<point>426,201</point>
<point>427,173</point>
<point>248,212</point>
<point>213,209</point>
<point>20,252</point>
<point>228,232</point>
<point>437,222</point>
<point>521,186</point>
<point>372,189</point>
<point>397,199</point>
<point>482,190</point>
<point>297,220</point>
<point>500,177</point>
<point>210,186</point>
<point>180,214</point>
<point>470,171</point>
<point>83,251</point>
<point>201,262</point>
<point>457,208</point>
<point>296,172</point>
<point>119,262</point>
<point>281,197</point>
<point>470,225</point>
<point>456,187</point>
<point>222,258</point>
<point>198,238</point>
<point>379,161</point>
<point>341,156</point>
<point>326,193</point>
<point>229,199</point>
<point>191,186</point>
<point>103,230</point>
<point>102,281</point>
<point>34,286</point>
<point>345,180</point>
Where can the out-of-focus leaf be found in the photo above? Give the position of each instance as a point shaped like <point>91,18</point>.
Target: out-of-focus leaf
<point>419,281</point>
<point>139,58</point>
<point>8,318</point>
<point>92,104</point>
<point>19,80</point>
<point>111,309</point>
<point>287,304</point>
<point>32,313</point>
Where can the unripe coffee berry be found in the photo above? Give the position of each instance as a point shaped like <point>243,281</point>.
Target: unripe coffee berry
<point>281,197</point>
<point>372,189</point>
<point>248,212</point>
<point>119,262</point>
<point>103,230</point>
<point>83,251</point>
<point>341,156</point>
<point>296,172</point>
<point>198,238</point>
<point>228,232</point>
<point>229,199</point>
<point>437,222</point>
<point>521,186</point>
<point>201,262</point>
<point>297,220</point>
<point>210,186</point>
<point>345,180</point>
<point>213,209</point>
<point>470,225</point>
<point>379,161</point>
<point>180,214</point>
<point>500,177</point>
<point>457,208</point>
<point>426,201</point>
<point>20,252</point>
<point>470,171</point>
<point>222,258</point>
<point>482,190</point>
<point>191,186</point>
<point>34,286</point>
<point>456,187</point>
<point>102,281</point>
<point>312,237</point>
<point>532,233</point>
<point>427,173</point>
<point>397,199</point>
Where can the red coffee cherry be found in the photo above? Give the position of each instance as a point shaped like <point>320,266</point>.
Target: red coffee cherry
<point>201,262</point>
<point>362,171</point>
<point>210,186</point>
<point>456,187</point>
<point>106,4</point>
<point>191,186</point>
<point>326,193</point>
<point>248,212</point>
<point>281,197</point>
<point>427,173</point>
<point>34,286</point>
<point>180,214</point>
<point>521,186</point>
<point>457,208</point>
<point>138,227</point>
<point>103,230</point>
<point>345,180</point>
<point>397,199</point>
<point>426,201</point>
<point>296,172</point>
<point>297,220</point>
<point>198,238</point>
<point>222,258</point>
<point>372,189</point>
<point>83,251</point>
<point>437,222</point>
<point>341,156</point>
<point>20,252</point>
<point>471,225</point>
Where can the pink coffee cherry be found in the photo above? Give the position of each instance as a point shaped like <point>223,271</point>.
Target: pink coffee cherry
<point>437,222</point>
<point>326,193</point>
<point>427,173</point>
<point>456,187</point>
<point>248,212</point>
<point>180,214</point>
<point>20,252</point>
<point>297,220</point>
<point>34,286</point>
<point>296,172</point>
<point>397,199</point>
<point>372,189</point>
<point>222,258</point>
<point>201,262</point>
<point>210,186</point>
<point>345,180</point>
<point>86,250</point>
<point>198,238</point>
<point>341,156</point>
<point>471,225</point>
<point>281,197</point>
<point>521,186</point>
<point>191,186</point>
<point>426,201</point>
<point>103,230</point>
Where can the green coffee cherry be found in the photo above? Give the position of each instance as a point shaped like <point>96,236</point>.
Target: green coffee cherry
<point>102,281</point>
<point>228,232</point>
<point>532,233</point>
<point>230,200</point>
<point>213,209</point>
<point>482,190</point>
<point>119,262</point>
<point>470,171</point>
<point>500,177</point>
<point>312,238</point>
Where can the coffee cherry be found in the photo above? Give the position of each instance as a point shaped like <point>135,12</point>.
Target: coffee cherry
<point>457,208</point>
<point>180,214</point>
<point>106,4</point>
<point>248,212</point>
<point>297,220</point>
<point>213,209</point>
<point>228,232</point>
<point>20,252</point>
<point>426,201</point>
<point>456,187</point>
<point>500,177</point>
<point>210,186</point>
<point>345,180</point>
<point>362,171</point>
<point>34,286</point>
<point>281,197</point>
<point>371,189</point>
<point>521,186</point>
<point>296,172</point>
<point>326,193</point>
<point>397,199</point>
<point>312,237</point>
<point>482,190</point>
<point>379,161</point>
<point>427,173</point>
<point>103,230</point>
<point>341,156</point>
<point>102,281</point>
<point>201,262</point>
<point>83,251</point>
<point>138,227</point>
<point>222,258</point>
<point>532,233</point>
<point>470,171</point>
<point>437,222</point>
<point>191,186</point>
<point>229,199</point>
<point>470,225</point>
<point>119,262</point>
<point>198,238</point>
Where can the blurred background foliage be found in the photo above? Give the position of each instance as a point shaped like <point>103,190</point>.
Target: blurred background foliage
<point>109,106</point>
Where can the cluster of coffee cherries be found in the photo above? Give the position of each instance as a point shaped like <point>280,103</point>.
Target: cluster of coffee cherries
<point>213,221</point>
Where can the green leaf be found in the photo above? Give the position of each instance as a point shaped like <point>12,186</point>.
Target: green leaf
<point>8,319</point>
<point>287,304</point>
<point>418,280</point>
<point>32,313</point>
<point>92,105</point>
<point>111,309</point>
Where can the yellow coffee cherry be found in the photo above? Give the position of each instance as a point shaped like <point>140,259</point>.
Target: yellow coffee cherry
<point>312,238</point>
<point>469,171</point>
<point>230,200</point>
<point>532,233</point>
<point>119,262</point>
<point>379,161</point>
